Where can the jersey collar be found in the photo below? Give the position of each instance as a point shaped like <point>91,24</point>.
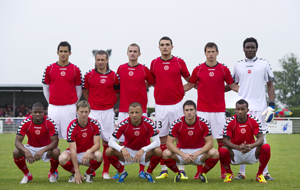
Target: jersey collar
<point>107,72</point>
<point>251,60</point>
<point>168,59</point>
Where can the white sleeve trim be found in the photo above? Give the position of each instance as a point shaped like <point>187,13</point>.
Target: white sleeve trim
<point>78,92</point>
<point>155,143</point>
<point>46,91</point>
<point>113,143</point>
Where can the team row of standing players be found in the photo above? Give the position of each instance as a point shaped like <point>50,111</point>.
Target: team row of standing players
<point>101,88</point>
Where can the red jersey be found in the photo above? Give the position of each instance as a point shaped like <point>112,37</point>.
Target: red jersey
<point>211,87</point>
<point>136,137</point>
<point>62,82</point>
<point>102,89</point>
<point>168,87</point>
<point>241,132</point>
<point>38,135</point>
<point>83,136</point>
<point>133,86</point>
<point>190,136</point>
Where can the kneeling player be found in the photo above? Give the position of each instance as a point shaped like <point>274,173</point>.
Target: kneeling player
<point>192,132</point>
<point>137,130</point>
<point>240,145</point>
<point>42,142</point>
<point>84,144</point>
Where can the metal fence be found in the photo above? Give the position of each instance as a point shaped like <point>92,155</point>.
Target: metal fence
<point>11,124</point>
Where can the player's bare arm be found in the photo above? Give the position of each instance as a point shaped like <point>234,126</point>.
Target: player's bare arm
<point>209,144</point>
<point>77,177</point>
<point>51,146</point>
<point>126,155</point>
<point>233,86</point>
<point>247,147</point>
<point>85,94</point>
<point>171,146</point>
<point>19,145</point>
<point>118,96</point>
<point>271,91</point>
<point>87,156</point>
<point>187,78</point>
<point>230,145</point>
<point>188,86</point>
<point>154,144</point>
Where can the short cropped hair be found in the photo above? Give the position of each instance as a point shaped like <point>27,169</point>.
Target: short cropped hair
<point>242,101</point>
<point>189,103</point>
<point>165,38</point>
<point>135,104</point>
<point>64,44</point>
<point>83,104</point>
<point>134,45</point>
<point>102,52</point>
<point>250,40</point>
<point>211,45</point>
<point>38,105</point>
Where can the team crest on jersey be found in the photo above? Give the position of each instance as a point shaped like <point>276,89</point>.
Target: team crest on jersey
<point>166,67</point>
<point>84,134</point>
<point>130,73</point>
<point>136,133</point>
<point>249,71</point>
<point>191,132</point>
<point>102,81</point>
<point>243,130</point>
<point>63,73</point>
<point>37,132</point>
<point>211,74</point>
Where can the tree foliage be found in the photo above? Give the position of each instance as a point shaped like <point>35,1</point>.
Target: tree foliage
<point>287,82</point>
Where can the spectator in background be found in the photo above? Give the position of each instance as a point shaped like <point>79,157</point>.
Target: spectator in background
<point>3,105</point>
<point>1,112</point>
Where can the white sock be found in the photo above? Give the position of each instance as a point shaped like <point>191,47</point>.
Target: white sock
<point>181,167</point>
<point>243,169</point>
<point>164,167</point>
<point>266,170</point>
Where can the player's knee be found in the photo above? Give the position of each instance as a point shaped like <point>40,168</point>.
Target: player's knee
<point>63,158</point>
<point>109,151</point>
<point>98,156</point>
<point>214,153</point>
<point>157,152</point>
<point>223,152</point>
<point>55,153</point>
<point>265,148</point>
<point>17,153</point>
<point>166,154</point>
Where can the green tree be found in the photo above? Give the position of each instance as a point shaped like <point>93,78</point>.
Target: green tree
<point>287,82</point>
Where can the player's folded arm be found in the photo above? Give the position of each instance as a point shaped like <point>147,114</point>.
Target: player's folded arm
<point>113,143</point>
<point>227,143</point>
<point>154,144</point>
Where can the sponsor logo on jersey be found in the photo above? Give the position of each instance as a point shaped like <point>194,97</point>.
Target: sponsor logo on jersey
<point>242,125</point>
<point>131,69</point>
<point>211,69</point>
<point>84,134</point>
<point>136,133</point>
<point>249,65</point>
<point>103,76</point>
<point>190,127</point>
<point>211,74</point>
<point>243,130</point>
<point>191,132</point>
<point>63,73</point>
<point>166,62</point>
<point>37,127</point>
<point>102,81</point>
<point>37,132</point>
<point>135,128</point>
<point>83,129</point>
<point>249,71</point>
<point>130,73</point>
<point>166,67</point>
<point>63,69</point>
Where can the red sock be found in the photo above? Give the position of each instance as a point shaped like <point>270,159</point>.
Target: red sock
<point>209,164</point>
<point>142,168</point>
<point>113,160</point>
<point>225,159</point>
<point>106,163</point>
<point>220,145</point>
<point>53,165</point>
<point>163,147</point>
<point>69,167</point>
<point>94,165</point>
<point>20,162</point>
<point>172,165</point>
<point>199,168</point>
<point>154,160</point>
<point>264,157</point>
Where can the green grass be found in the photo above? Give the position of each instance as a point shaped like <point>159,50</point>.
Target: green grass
<point>284,166</point>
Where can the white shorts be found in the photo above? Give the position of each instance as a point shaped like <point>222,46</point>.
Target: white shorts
<point>121,117</point>
<point>197,161</point>
<point>62,116</point>
<point>216,121</point>
<point>34,150</point>
<point>248,158</point>
<point>165,115</point>
<point>106,118</point>
<point>79,157</point>
<point>132,154</point>
<point>261,118</point>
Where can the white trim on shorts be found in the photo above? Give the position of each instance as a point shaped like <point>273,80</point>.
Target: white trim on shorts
<point>248,158</point>
<point>216,121</point>
<point>132,154</point>
<point>197,161</point>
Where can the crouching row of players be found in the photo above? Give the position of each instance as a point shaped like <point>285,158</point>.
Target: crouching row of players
<point>194,145</point>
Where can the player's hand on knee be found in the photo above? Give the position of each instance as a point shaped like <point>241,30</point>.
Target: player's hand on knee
<point>38,155</point>
<point>269,112</point>
<point>186,157</point>
<point>126,155</point>
<point>138,156</point>
<point>86,158</point>
<point>29,156</point>
<point>194,156</point>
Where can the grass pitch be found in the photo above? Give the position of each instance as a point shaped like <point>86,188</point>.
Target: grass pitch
<point>284,166</point>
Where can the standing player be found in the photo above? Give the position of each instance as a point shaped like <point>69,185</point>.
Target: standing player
<point>209,78</point>
<point>134,81</point>
<point>42,143</point>
<point>137,130</point>
<point>84,145</point>
<point>101,88</point>
<point>62,89</point>
<point>252,74</point>
<point>168,94</point>
<point>240,145</point>
<point>192,132</point>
